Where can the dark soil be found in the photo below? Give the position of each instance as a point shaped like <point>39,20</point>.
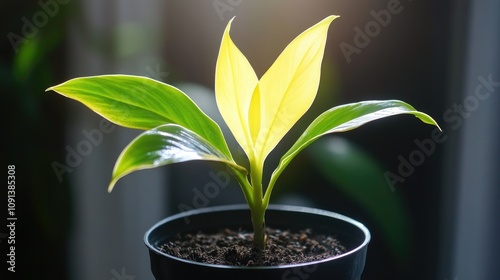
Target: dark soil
<point>231,247</point>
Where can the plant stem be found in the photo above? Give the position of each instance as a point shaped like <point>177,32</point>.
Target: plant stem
<point>257,208</point>
<point>246,187</point>
<point>259,228</point>
<point>267,196</point>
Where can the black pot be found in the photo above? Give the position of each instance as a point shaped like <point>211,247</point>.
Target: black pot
<point>348,266</point>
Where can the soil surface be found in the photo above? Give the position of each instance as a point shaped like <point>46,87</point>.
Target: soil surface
<point>235,247</point>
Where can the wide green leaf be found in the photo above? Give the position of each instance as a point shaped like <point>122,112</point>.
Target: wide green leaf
<point>344,118</point>
<point>142,103</point>
<point>166,144</point>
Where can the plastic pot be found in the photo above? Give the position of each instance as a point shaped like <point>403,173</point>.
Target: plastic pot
<point>348,266</point>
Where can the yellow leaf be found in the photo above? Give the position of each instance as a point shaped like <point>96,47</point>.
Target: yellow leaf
<point>235,81</point>
<point>254,115</point>
<point>288,88</point>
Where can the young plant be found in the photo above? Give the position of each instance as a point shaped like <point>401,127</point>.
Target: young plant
<point>258,112</point>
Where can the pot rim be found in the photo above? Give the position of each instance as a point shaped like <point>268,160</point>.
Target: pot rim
<point>278,207</point>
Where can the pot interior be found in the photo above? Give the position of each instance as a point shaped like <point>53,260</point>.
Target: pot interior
<point>352,234</point>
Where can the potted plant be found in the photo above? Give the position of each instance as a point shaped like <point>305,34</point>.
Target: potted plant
<point>258,112</point>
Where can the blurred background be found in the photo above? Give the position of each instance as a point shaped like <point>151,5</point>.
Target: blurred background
<point>431,199</point>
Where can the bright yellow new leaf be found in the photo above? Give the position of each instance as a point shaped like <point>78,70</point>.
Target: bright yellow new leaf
<point>289,87</point>
<point>235,81</point>
<point>260,113</point>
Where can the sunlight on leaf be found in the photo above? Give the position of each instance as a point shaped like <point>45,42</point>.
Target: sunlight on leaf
<point>164,145</point>
<point>142,103</point>
<point>259,113</point>
<point>344,118</point>
<point>350,116</point>
<point>235,81</point>
<point>289,87</point>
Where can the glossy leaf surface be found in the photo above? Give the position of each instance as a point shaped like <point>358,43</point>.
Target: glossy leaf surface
<point>164,145</point>
<point>142,103</point>
<point>344,118</point>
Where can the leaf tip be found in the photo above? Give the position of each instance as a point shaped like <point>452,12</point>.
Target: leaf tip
<point>55,88</point>
<point>330,18</point>
<point>111,185</point>
<point>429,120</point>
<point>437,125</point>
<point>229,24</point>
<point>52,88</point>
<point>114,178</point>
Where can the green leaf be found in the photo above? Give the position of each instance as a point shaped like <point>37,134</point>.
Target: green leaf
<point>344,118</point>
<point>166,144</point>
<point>142,103</point>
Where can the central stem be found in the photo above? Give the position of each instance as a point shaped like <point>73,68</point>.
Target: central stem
<point>258,209</point>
